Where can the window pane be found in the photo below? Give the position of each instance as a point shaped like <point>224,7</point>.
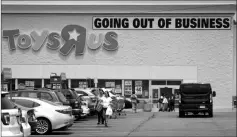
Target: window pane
<point>36,104</point>
<point>174,82</point>
<point>6,103</point>
<point>29,94</point>
<point>158,82</point>
<point>46,96</point>
<point>36,83</point>
<point>61,96</point>
<point>24,103</point>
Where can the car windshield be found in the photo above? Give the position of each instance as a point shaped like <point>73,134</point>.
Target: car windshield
<point>61,97</point>
<point>6,103</point>
<point>74,95</point>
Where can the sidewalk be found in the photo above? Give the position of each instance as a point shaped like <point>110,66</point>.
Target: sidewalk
<point>177,110</point>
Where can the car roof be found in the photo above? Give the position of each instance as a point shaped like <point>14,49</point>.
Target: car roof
<point>84,90</point>
<point>4,92</point>
<point>27,98</point>
<point>40,101</point>
<point>35,90</point>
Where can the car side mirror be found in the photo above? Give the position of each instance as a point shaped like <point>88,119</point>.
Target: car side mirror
<point>214,93</point>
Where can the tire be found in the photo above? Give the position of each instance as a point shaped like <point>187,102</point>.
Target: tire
<point>181,113</point>
<point>43,122</point>
<point>210,112</point>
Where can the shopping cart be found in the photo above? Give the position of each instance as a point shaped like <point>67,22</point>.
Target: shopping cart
<point>120,107</point>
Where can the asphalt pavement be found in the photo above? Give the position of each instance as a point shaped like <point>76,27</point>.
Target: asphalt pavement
<point>154,124</point>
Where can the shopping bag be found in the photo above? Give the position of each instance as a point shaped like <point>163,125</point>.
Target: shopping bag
<point>109,111</point>
<point>99,107</point>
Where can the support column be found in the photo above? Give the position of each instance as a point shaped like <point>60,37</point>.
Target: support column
<point>234,56</point>
<point>69,83</point>
<point>122,87</point>
<point>150,91</point>
<point>16,83</point>
<point>42,83</point>
<point>95,82</point>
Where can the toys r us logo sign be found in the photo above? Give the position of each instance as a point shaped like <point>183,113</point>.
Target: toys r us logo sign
<point>73,36</point>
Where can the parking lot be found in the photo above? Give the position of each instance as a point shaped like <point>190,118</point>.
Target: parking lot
<point>154,124</point>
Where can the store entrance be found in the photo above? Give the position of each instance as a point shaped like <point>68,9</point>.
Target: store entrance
<point>166,91</point>
<point>157,91</point>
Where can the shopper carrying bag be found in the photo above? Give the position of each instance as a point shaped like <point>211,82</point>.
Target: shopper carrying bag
<point>134,102</point>
<point>106,101</point>
<point>99,108</point>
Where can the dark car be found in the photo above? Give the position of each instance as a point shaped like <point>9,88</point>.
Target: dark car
<point>46,94</point>
<point>196,98</point>
<point>74,101</point>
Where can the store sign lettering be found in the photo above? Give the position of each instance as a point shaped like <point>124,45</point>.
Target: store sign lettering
<point>24,41</point>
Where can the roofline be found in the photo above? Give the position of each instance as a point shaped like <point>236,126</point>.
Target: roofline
<point>118,3</point>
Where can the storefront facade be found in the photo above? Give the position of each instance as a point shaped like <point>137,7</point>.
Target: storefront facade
<point>146,61</point>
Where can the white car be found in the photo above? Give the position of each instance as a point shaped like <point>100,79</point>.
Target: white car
<point>10,118</point>
<point>88,96</point>
<point>50,116</point>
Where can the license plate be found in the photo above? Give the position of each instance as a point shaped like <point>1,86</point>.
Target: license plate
<point>202,106</point>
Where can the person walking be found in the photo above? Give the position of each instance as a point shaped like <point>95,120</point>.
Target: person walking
<point>134,102</point>
<point>99,107</point>
<point>106,101</point>
<point>161,102</point>
<point>172,103</point>
<point>165,102</point>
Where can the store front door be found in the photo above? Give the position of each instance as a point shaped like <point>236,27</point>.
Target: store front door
<point>155,95</point>
<point>157,91</point>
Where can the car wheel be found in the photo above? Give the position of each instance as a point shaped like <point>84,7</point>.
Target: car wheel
<point>210,113</point>
<point>43,126</point>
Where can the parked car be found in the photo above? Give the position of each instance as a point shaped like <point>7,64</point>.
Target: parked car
<point>50,116</point>
<point>88,96</point>
<point>74,101</point>
<point>43,93</point>
<point>10,118</point>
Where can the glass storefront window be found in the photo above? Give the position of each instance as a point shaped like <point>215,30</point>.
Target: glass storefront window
<point>174,82</point>
<point>109,83</point>
<point>34,83</point>
<point>140,87</point>
<point>82,83</point>
<point>158,82</point>
<point>8,85</point>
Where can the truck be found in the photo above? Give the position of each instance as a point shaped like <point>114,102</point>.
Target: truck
<point>196,98</point>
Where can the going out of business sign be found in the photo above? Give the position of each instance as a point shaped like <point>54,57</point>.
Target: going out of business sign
<point>156,23</point>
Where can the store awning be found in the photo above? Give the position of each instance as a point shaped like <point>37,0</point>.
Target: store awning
<point>104,71</point>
